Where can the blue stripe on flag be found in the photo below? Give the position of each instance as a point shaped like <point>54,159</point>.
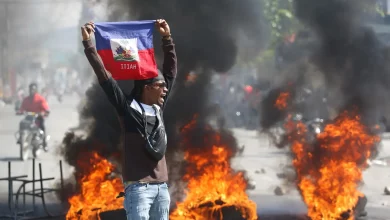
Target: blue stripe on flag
<point>143,30</point>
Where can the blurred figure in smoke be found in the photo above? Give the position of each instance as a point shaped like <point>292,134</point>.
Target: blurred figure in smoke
<point>144,169</point>
<point>20,95</point>
<point>60,82</point>
<point>37,104</point>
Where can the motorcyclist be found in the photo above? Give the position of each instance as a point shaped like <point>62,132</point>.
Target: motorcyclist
<point>37,104</point>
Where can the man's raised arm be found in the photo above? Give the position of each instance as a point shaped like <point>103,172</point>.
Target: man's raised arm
<point>170,61</point>
<point>91,53</point>
<point>114,93</point>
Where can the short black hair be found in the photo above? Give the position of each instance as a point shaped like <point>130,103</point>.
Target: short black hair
<point>33,85</point>
<point>136,93</point>
<point>139,85</point>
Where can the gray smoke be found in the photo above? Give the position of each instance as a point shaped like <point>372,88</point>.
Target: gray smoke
<point>349,57</point>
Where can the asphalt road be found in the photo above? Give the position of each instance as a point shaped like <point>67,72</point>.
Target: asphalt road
<point>259,154</point>
<point>263,161</point>
<point>63,116</point>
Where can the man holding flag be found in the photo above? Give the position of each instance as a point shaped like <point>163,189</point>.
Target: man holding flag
<point>126,51</point>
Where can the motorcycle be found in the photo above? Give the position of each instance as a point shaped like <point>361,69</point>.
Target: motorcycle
<point>314,127</point>
<point>30,137</point>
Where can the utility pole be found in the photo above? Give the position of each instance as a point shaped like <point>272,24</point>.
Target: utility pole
<point>4,47</point>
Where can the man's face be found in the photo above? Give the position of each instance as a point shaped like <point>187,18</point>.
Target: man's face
<point>33,90</point>
<point>156,92</point>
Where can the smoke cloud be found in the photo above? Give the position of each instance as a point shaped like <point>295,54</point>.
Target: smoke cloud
<point>351,55</point>
<point>348,57</point>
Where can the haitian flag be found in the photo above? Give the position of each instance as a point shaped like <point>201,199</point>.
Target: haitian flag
<point>126,49</point>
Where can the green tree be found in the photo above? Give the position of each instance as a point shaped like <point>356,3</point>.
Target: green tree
<point>282,22</point>
<point>281,19</point>
<point>279,15</point>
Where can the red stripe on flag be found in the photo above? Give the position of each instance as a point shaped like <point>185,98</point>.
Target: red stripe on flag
<point>145,68</point>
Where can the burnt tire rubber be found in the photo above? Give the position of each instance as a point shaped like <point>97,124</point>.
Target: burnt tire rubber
<point>361,218</point>
<point>360,209</point>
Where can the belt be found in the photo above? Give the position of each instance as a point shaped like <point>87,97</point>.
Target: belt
<point>126,183</point>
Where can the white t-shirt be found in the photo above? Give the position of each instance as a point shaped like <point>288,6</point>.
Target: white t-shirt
<point>149,111</point>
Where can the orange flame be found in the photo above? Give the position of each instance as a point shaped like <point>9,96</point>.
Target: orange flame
<point>216,187</point>
<point>281,101</point>
<point>97,191</point>
<point>329,172</point>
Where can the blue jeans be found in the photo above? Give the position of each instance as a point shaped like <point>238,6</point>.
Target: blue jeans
<point>147,201</point>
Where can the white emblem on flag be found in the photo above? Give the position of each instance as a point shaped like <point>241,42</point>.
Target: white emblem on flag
<point>125,49</point>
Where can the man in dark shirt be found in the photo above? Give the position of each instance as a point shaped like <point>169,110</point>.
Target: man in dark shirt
<point>144,169</point>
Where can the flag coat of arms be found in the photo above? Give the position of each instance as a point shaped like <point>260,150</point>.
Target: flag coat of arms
<point>126,49</point>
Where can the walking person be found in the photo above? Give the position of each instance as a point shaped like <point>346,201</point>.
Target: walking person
<point>144,169</point>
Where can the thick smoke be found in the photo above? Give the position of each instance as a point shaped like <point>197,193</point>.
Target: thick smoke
<point>348,56</point>
<point>351,64</point>
<point>207,37</point>
<point>351,55</point>
<point>347,59</point>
